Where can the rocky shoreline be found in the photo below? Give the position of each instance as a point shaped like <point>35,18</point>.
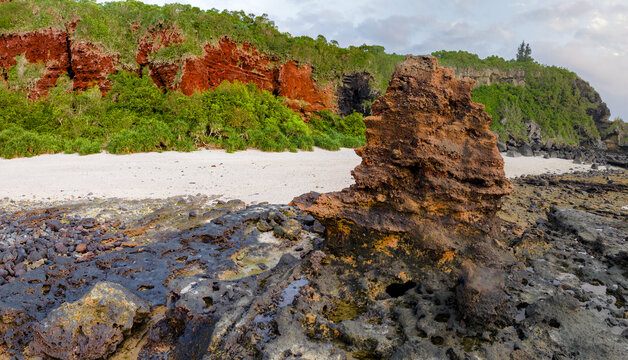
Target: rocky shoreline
<point>264,286</point>
<point>596,154</point>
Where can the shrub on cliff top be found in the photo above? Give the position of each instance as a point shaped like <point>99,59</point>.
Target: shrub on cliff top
<point>118,26</point>
<point>550,97</point>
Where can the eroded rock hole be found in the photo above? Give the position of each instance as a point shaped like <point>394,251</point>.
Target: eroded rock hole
<point>444,317</point>
<point>437,340</point>
<point>397,290</point>
<point>208,301</point>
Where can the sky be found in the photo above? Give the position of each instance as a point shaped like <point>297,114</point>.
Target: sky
<point>589,37</point>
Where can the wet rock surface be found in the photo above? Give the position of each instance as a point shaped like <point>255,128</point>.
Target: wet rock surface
<point>155,249</point>
<point>227,283</point>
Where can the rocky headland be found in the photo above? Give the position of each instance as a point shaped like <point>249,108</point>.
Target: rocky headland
<point>431,254</point>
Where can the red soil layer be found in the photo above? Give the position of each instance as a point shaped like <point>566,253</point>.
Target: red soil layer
<point>91,67</point>
<point>84,62</point>
<point>164,75</point>
<point>47,46</point>
<point>296,83</point>
<point>227,61</point>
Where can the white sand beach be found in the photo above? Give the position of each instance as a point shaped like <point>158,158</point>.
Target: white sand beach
<point>252,176</point>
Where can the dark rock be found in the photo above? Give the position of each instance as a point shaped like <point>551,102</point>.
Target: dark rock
<point>290,229</point>
<point>356,94</point>
<point>481,297</point>
<point>526,150</point>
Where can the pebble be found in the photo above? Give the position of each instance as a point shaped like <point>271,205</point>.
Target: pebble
<point>81,248</point>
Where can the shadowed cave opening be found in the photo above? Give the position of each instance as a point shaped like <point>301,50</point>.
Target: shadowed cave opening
<point>396,290</point>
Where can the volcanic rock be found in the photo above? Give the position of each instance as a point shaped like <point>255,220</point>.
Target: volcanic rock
<point>430,158</point>
<point>355,94</point>
<point>93,326</point>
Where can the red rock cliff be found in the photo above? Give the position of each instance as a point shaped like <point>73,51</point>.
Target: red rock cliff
<point>160,36</point>
<point>430,158</point>
<point>83,62</point>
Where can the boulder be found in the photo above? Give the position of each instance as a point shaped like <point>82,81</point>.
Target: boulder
<point>534,132</point>
<point>92,327</point>
<point>526,150</point>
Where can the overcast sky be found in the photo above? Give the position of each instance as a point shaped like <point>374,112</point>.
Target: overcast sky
<point>589,37</point>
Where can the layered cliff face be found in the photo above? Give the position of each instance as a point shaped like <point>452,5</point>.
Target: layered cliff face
<point>430,159</point>
<point>227,61</point>
<point>489,76</point>
<point>84,63</point>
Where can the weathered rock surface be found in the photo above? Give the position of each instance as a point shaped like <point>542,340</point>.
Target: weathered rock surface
<point>296,83</point>
<point>88,66</point>
<point>93,326</point>
<point>491,76</point>
<point>430,156</point>
<point>83,62</point>
<point>227,61</point>
<point>221,284</point>
<point>355,94</point>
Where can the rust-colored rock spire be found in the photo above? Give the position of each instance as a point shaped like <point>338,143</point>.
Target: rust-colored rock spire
<point>430,158</point>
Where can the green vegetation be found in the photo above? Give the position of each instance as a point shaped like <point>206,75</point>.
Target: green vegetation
<point>550,97</point>
<point>524,53</point>
<point>110,26</point>
<point>136,116</point>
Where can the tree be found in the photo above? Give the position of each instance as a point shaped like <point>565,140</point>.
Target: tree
<point>524,53</point>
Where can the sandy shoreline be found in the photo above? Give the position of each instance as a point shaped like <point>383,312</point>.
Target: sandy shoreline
<point>251,176</point>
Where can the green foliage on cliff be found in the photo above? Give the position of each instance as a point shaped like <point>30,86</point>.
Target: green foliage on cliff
<point>550,97</point>
<point>117,27</point>
<point>136,116</point>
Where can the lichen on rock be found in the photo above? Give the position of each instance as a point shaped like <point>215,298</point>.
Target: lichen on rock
<point>92,327</point>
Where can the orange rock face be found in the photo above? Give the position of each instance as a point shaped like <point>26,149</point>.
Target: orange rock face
<point>227,62</point>
<point>83,62</point>
<point>164,75</point>
<point>47,46</point>
<point>295,82</point>
<point>91,67</point>
<point>430,158</point>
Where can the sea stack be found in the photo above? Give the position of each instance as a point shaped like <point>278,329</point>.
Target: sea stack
<point>430,162</point>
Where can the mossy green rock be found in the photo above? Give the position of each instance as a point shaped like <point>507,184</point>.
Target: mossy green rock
<point>92,327</point>
<point>290,229</point>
